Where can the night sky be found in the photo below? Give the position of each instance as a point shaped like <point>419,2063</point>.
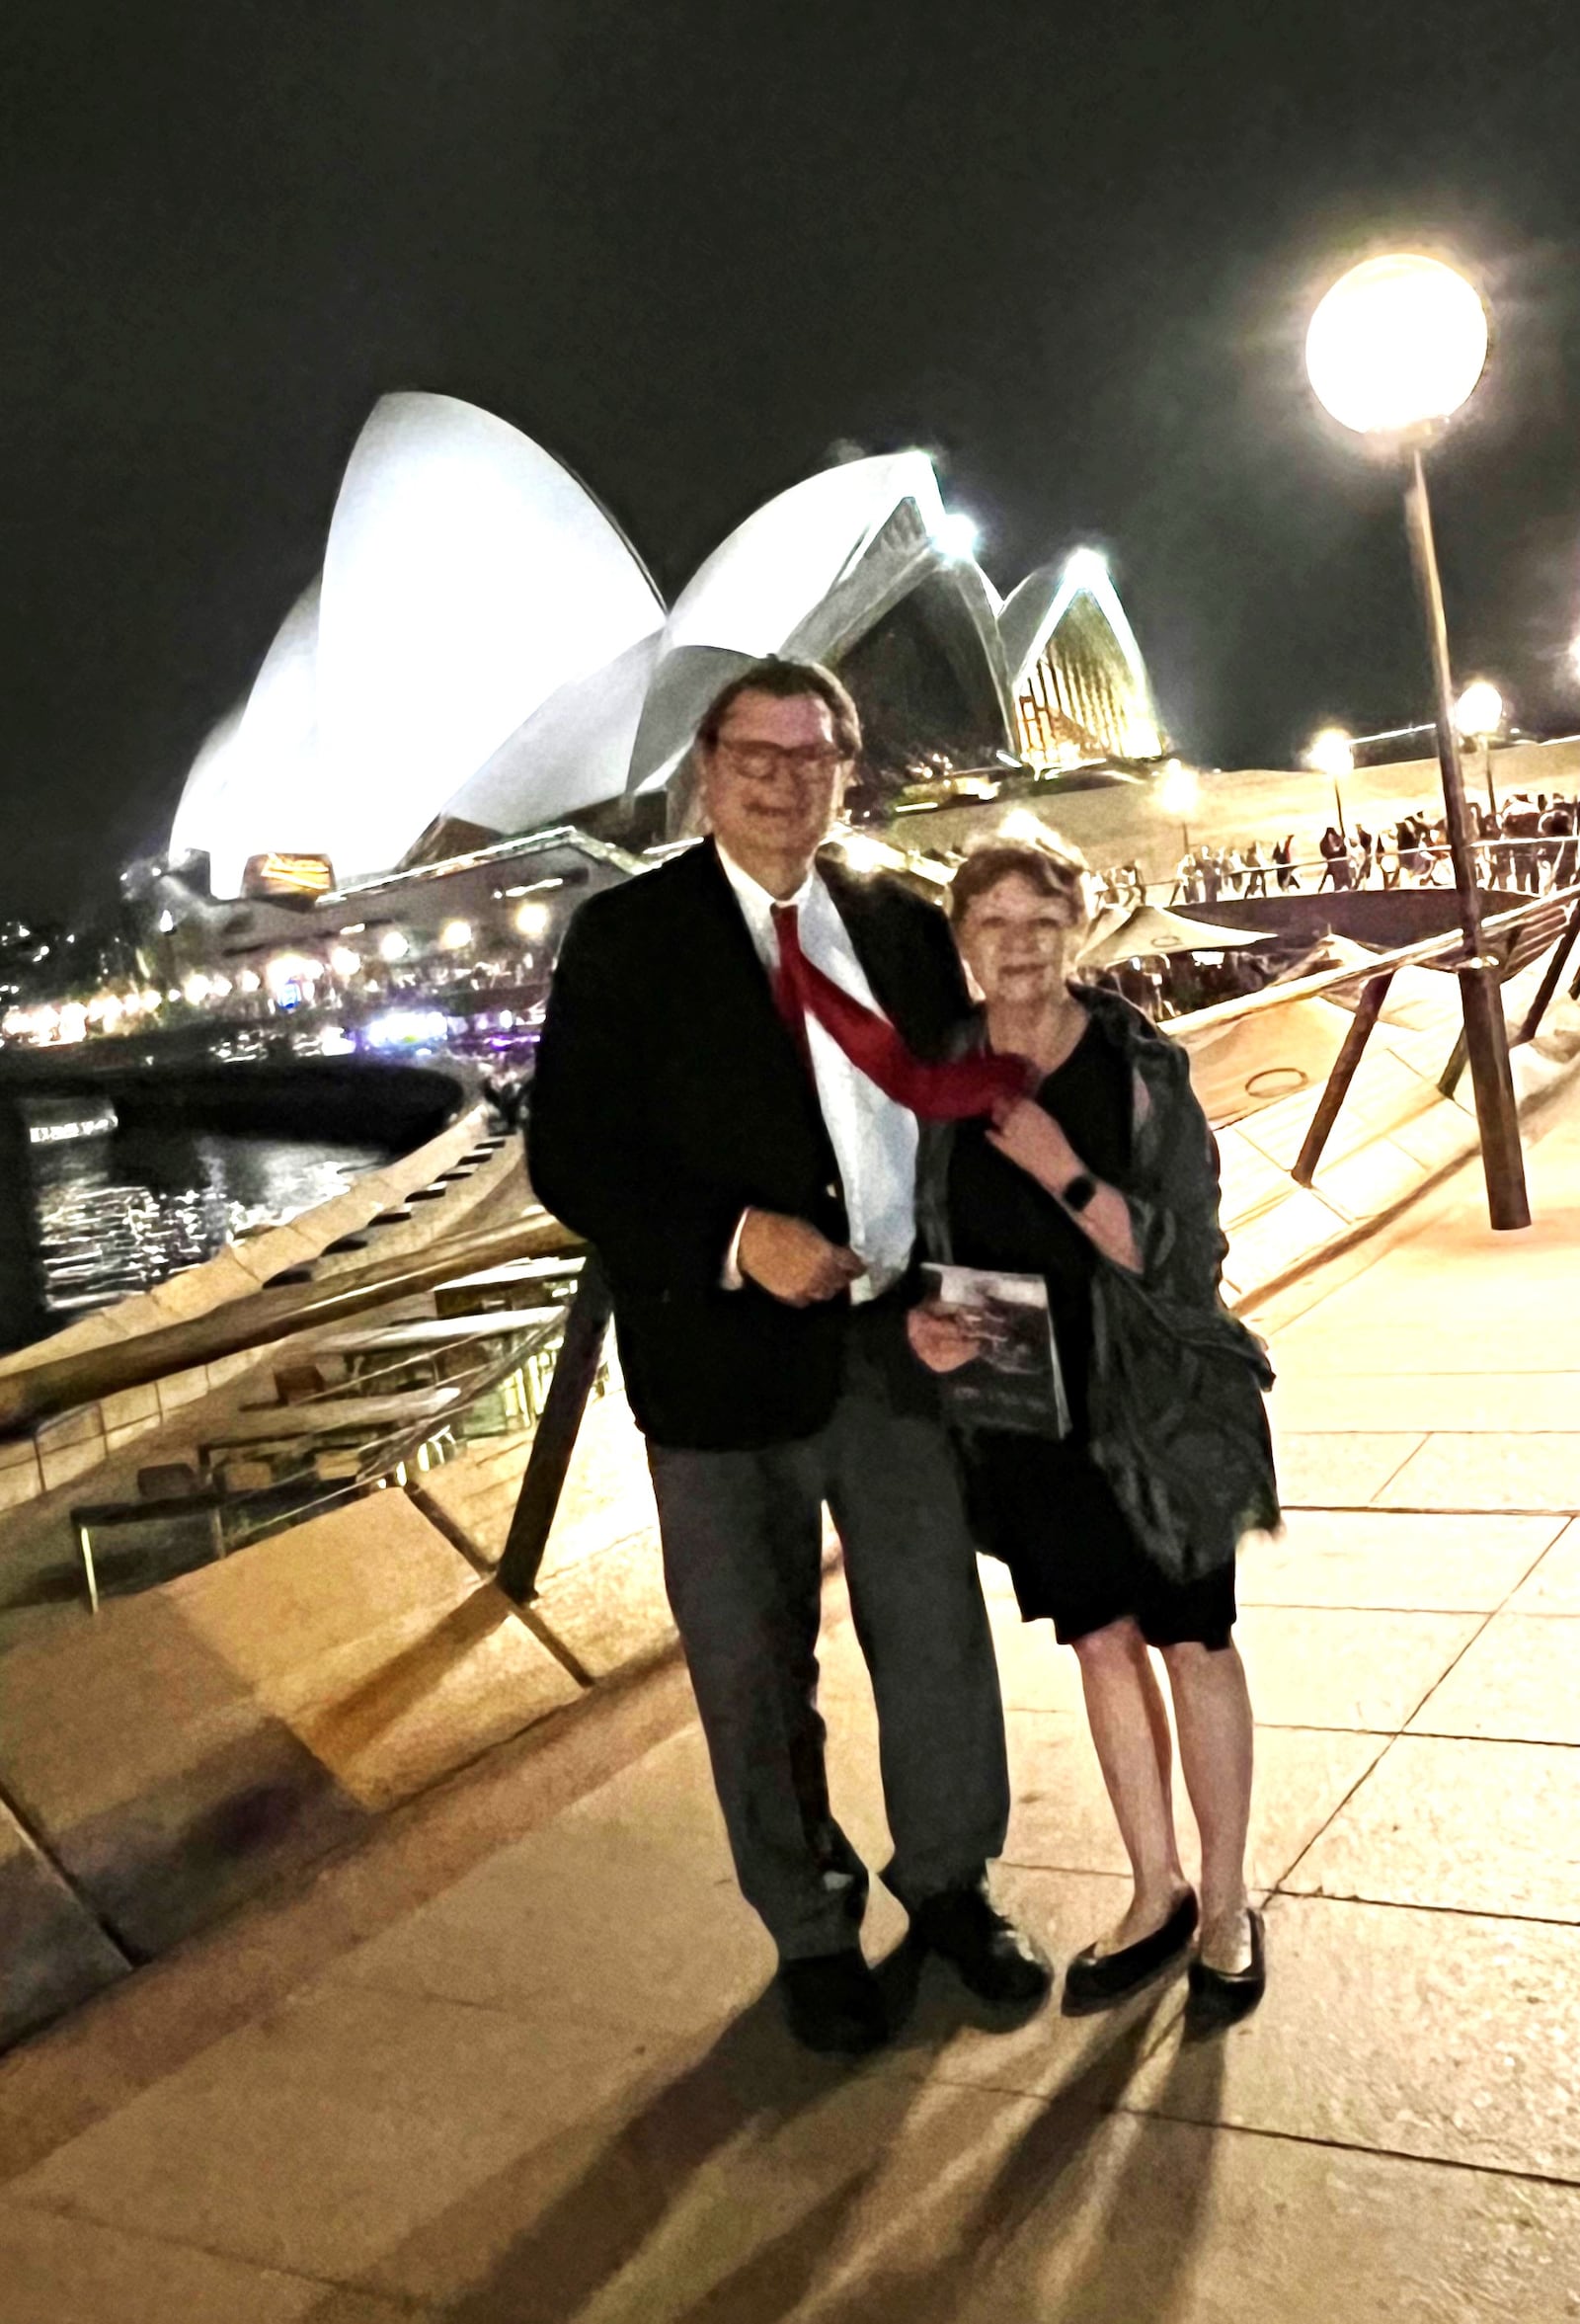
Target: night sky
<point>690,245</point>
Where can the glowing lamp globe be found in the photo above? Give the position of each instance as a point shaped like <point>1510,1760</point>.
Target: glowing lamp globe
<point>1179,790</point>
<point>1397,343</point>
<point>1331,754</point>
<point>1478,711</point>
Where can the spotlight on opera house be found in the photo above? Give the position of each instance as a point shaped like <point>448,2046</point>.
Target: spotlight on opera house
<point>482,703</point>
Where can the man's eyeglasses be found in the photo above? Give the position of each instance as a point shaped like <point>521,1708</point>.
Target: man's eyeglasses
<point>761,761</point>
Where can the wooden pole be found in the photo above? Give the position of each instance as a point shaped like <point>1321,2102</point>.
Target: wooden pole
<point>1485,1033</point>
<point>1339,1079</point>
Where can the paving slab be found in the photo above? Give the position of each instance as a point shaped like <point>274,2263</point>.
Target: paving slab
<point>322,2137</point>
<point>1511,1402</point>
<point>1398,1561</point>
<point>65,2270</point>
<point>1153,2218</point>
<point>1484,1827</point>
<point>1339,1667</point>
<point>56,1952</point>
<point>1553,1585</point>
<point>643,1932</point>
<point>1453,1470</point>
<point>1061,1818</point>
<point>1446,2035</point>
<point>1520,1680</point>
<point>1327,1470</point>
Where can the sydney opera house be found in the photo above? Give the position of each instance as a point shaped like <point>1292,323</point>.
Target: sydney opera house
<point>484,656</point>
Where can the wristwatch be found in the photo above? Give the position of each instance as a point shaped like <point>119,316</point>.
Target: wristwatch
<point>1078,1193</point>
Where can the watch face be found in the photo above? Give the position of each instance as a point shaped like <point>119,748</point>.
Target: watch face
<point>1079,1191</point>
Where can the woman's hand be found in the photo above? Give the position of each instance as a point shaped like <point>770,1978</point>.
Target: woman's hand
<point>940,1337</point>
<point>1035,1141</point>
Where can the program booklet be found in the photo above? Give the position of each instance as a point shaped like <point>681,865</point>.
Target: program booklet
<point>1016,1382</point>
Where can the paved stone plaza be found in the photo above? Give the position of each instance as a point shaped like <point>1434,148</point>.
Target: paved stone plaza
<point>511,2061</point>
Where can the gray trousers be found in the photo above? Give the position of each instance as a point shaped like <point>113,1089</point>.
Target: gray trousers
<point>741,1535</point>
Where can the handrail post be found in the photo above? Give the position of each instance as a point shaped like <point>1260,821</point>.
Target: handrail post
<point>554,1439</point>
<point>1340,1078</point>
<point>1550,981</point>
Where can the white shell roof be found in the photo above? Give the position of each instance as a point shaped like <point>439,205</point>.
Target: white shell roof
<point>760,583</point>
<point>788,580</point>
<point>1034,611</point>
<point>263,789</point>
<point>201,812</point>
<point>573,750</point>
<point>468,575</point>
<point>468,578</point>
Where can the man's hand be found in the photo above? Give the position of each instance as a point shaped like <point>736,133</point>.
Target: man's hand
<point>940,1337</point>
<point>792,1262</point>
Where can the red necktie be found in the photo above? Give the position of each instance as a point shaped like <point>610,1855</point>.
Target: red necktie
<point>948,1092</point>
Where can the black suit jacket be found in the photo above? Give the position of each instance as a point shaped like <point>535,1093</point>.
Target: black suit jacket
<point>668,1098</point>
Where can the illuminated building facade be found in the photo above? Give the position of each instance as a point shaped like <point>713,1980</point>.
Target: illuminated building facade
<point>1080,688</point>
<point>484,654</point>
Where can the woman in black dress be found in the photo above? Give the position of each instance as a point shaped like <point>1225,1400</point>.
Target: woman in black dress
<point>1121,1532</point>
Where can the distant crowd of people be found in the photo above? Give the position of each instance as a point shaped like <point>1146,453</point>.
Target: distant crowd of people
<point>1530,844</point>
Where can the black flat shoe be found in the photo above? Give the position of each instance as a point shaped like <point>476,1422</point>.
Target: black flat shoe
<point>1222,1997</point>
<point>1097,1981</point>
<point>992,1958</point>
<point>834,2004</point>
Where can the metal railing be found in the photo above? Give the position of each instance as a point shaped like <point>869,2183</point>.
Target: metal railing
<point>1428,952</point>
<point>52,1387</point>
<point>60,1384</point>
<point>1513,940</point>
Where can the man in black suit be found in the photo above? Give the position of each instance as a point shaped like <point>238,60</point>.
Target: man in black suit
<point>751,1192</point>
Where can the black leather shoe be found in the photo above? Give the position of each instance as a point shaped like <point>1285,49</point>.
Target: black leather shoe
<point>1097,1981</point>
<point>992,1958</point>
<point>1221,1997</point>
<point>833,2003</point>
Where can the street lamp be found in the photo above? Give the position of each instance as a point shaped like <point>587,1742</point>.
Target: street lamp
<point>1177,795</point>
<point>1478,715</point>
<point>1393,350</point>
<point>1332,754</point>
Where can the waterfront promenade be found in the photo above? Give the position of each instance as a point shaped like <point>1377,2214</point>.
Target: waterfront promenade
<point>510,2060</point>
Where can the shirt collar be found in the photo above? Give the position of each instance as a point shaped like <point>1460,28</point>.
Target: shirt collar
<point>755,901</point>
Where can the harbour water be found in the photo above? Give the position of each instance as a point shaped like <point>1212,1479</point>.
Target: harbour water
<point>119,1214</point>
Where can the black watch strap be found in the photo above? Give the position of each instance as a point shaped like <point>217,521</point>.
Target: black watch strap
<point>1078,1193</point>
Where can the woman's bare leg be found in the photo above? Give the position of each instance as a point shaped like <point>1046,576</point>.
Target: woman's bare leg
<point>1213,1717</point>
<point>1129,1732</point>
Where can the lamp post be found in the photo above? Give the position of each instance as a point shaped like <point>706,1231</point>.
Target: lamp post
<point>1332,753</point>
<point>1394,348</point>
<point>1478,715</point>
<point>1177,795</point>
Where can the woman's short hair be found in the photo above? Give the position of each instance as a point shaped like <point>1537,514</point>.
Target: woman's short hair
<point>784,680</point>
<point>1050,863</point>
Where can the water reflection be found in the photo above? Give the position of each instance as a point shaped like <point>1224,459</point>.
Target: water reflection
<point>119,1215</point>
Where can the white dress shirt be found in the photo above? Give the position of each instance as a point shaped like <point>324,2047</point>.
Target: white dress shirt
<point>874,1140</point>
